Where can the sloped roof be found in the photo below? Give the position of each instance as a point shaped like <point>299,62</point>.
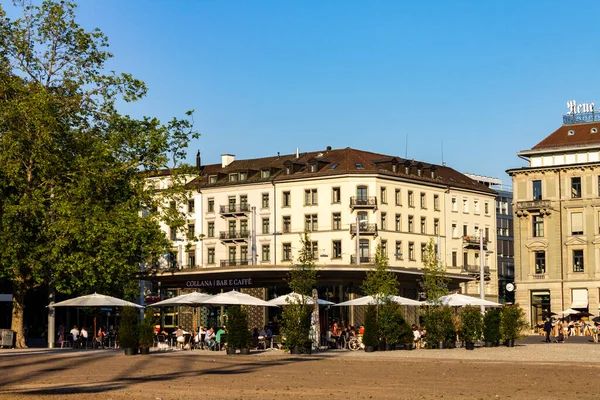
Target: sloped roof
<point>336,162</point>
<point>575,135</point>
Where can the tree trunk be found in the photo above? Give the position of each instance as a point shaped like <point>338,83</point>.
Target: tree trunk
<point>17,317</point>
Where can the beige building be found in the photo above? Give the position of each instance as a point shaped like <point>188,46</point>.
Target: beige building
<point>249,214</point>
<point>557,219</point>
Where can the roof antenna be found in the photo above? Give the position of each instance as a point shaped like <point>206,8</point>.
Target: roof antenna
<point>443,162</point>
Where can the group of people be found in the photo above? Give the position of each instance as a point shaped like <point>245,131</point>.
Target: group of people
<point>418,336</point>
<point>199,338</point>
<point>562,330</point>
<point>339,334</point>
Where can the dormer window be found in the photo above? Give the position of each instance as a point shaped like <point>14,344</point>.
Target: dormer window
<point>394,168</point>
<point>288,170</point>
<point>265,173</point>
<point>233,177</point>
<point>243,176</point>
<point>358,166</point>
<point>212,179</point>
<point>419,171</point>
<point>406,168</point>
<point>334,166</point>
<point>313,167</point>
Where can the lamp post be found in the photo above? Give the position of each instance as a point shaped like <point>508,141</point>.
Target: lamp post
<point>481,271</point>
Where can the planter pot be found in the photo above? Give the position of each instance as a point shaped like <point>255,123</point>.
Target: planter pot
<point>245,351</point>
<point>389,347</point>
<point>381,346</point>
<point>489,344</point>
<point>470,346</point>
<point>369,349</point>
<point>230,351</point>
<point>510,343</point>
<point>144,350</point>
<point>441,345</point>
<point>130,351</point>
<point>409,346</point>
<point>496,343</point>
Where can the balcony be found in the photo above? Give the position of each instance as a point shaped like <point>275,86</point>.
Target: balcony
<point>234,210</point>
<point>234,263</point>
<point>474,270</point>
<point>363,260</point>
<point>472,242</point>
<point>365,229</point>
<point>234,236</point>
<point>522,207</point>
<point>363,203</point>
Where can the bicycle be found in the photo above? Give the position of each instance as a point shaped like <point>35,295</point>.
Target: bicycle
<point>355,343</point>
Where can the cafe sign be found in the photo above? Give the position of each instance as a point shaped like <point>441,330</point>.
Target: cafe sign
<point>219,283</point>
<point>580,113</point>
<point>575,108</point>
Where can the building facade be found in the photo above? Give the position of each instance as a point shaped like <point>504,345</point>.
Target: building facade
<point>248,217</point>
<point>557,223</point>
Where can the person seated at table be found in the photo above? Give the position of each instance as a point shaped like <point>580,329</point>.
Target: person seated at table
<point>219,336</point>
<point>100,337</point>
<point>350,331</point>
<point>331,340</point>
<point>209,338</point>
<point>361,330</point>
<point>199,337</point>
<point>180,338</point>
<point>75,335</point>
<point>560,338</point>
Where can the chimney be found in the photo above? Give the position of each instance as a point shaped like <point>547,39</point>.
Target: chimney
<point>297,152</point>
<point>226,159</point>
<point>198,163</point>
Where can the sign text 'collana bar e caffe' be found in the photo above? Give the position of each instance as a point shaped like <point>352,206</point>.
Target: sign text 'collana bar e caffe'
<point>220,282</point>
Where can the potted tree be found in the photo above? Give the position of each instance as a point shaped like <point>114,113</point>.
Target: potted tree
<point>491,327</point>
<point>238,336</point>
<point>512,323</point>
<point>128,330</point>
<point>471,325</point>
<point>146,332</point>
<point>370,337</point>
<point>439,324</point>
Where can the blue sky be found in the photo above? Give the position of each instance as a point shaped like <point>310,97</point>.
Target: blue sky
<point>485,78</point>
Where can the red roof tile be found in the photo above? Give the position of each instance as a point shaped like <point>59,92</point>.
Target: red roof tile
<point>571,136</point>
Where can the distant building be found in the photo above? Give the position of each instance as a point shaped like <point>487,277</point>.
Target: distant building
<point>557,224</point>
<point>505,236</point>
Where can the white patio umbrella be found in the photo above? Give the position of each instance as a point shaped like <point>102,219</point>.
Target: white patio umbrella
<point>294,297</point>
<point>367,300</point>
<point>95,300</point>
<point>460,300</point>
<point>569,311</point>
<point>235,298</point>
<point>188,299</point>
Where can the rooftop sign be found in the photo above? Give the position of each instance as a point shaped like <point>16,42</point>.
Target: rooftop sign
<point>580,113</point>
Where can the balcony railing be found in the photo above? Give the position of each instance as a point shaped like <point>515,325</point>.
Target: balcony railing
<point>363,202</point>
<point>234,209</point>
<point>533,204</point>
<point>363,260</point>
<point>365,229</point>
<point>475,269</point>
<point>234,235</point>
<point>234,263</point>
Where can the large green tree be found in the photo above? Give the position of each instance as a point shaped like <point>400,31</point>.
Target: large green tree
<point>380,281</point>
<point>72,168</point>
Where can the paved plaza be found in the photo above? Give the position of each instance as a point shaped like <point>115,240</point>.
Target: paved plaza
<point>532,370</point>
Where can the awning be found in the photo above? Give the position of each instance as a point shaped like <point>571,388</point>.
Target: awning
<point>580,298</point>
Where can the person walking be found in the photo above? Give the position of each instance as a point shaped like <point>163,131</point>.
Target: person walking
<point>548,329</point>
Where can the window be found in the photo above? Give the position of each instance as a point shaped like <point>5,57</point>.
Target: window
<point>454,231</point>
<point>537,190</point>
<point>398,222</point>
<point>436,202</point>
<point>598,185</point>
<point>384,248</point>
<point>358,166</point>
<point>211,205</point>
<point>287,251</point>
<point>383,192</point>
<point>576,187</point>
<point>465,206</point>
<point>210,255</point>
<point>191,230</point>
<point>315,250</point>
<point>232,203</point>
<point>172,233</point>
<point>336,195</point>
<point>232,255</point>
<point>191,258</point>
<point>243,176</point>
<point>436,226</point>
<point>538,226</point>
<point>233,177</point>
<point>244,227</point>
<point>577,223</point>
<point>361,193</point>
<point>244,255</point>
<point>540,262</point>
<point>337,249</point>
<point>486,208</point>
<point>410,223</point>
<point>172,205</point>
<point>287,199</point>
<point>310,197</point>
<point>266,252</point>
<point>465,230</point>
<point>310,222</point>
<point>265,200</point>
<point>465,259</point>
<point>454,258</point>
<point>337,221</point>
<point>334,166</point>
<point>423,201</point>
<point>191,206</point>
<point>398,251</point>
<point>212,180</point>
<point>577,260</point>
<point>210,231</point>
<point>423,249</point>
<point>486,236</point>
<point>265,173</point>
<point>476,206</point>
<point>411,251</point>
<point>288,170</point>
<point>244,203</point>
<point>411,199</point>
<point>383,221</point>
<point>454,205</point>
<point>423,224</point>
<point>232,227</point>
<point>287,224</point>
<point>266,222</point>
<point>399,198</point>
<point>313,167</point>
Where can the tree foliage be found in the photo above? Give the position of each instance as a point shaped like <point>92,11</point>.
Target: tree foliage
<point>434,280</point>
<point>380,281</point>
<point>73,169</point>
